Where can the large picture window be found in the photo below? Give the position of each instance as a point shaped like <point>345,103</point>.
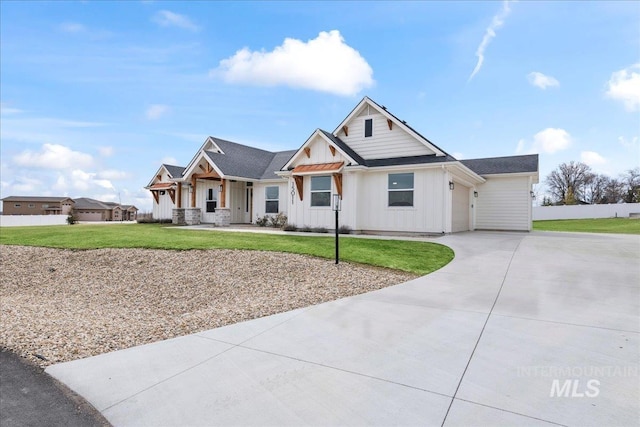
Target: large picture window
<point>272,196</point>
<point>211,200</point>
<point>400,189</point>
<point>320,191</point>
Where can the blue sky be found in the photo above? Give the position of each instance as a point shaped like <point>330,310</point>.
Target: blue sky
<point>95,95</point>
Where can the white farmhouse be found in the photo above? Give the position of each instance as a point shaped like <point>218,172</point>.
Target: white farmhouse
<point>388,176</point>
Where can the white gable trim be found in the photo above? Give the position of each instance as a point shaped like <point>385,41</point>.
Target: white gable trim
<point>201,155</point>
<point>371,104</point>
<point>158,172</point>
<point>207,142</point>
<point>308,141</point>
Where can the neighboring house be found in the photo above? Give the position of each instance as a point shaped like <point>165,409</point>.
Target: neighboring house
<point>388,176</point>
<point>34,205</point>
<point>85,209</point>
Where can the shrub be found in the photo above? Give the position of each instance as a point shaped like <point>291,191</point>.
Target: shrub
<point>289,227</point>
<point>319,230</point>
<point>306,229</point>
<point>344,229</point>
<point>72,218</point>
<point>154,221</point>
<point>262,222</point>
<point>277,221</point>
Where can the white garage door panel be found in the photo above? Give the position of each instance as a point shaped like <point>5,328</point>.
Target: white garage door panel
<point>503,204</point>
<point>460,214</point>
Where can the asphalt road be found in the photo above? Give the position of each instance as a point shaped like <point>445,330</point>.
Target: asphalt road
<point>30,397</point>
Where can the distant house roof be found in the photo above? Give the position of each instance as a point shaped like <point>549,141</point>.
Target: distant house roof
<point>174,171</point>
<point>499,165</point>
<point>83,203</point>
<point>35,199</point>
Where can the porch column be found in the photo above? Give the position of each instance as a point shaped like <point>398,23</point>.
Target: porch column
<point>179,192</point>
<point>193,191</point>
<point>223,193</point>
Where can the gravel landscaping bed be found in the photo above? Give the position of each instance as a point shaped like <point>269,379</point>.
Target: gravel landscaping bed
<point>60,305</point>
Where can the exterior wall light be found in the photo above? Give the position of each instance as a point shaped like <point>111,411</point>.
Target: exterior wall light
<point>220,188</point>
<point>475,194</point>
<point>533,195</point>
<point>451,185</point>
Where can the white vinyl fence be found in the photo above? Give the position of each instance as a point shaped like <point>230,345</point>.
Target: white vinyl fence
<point>585,211</point>
<point>22,220</point>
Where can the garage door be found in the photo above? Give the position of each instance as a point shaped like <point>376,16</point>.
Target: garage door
<point>460,208</point>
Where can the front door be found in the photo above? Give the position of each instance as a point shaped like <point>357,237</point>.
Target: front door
<point>237,202</point>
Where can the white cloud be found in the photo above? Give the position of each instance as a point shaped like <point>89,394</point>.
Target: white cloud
<point>156,111</point>
<point>166,18</point>
<point>541,80</point>
<point>592,158</point>
<point>490,33</point>
<point>628,143</point>
<point>458,155</point>
<point>26,186</point>
<point>6,110</point>
<point>168,160</point>
<point>105,151</point>
<point>72,27</point>
<point>547,141</point>
<point>551,140</point>
<point>113,174</point>
<point>53,156</point>
<point>325,64</point>
<point>84,181</point>
<point>624,85</point>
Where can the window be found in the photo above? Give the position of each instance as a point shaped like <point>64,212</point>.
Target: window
<point>31,205</point>
<point>401,189</point>
<point>211,200</point>
<point>368,128</point>
<point>271,196</point>
<point>16,205</point>
<point>320,191</point>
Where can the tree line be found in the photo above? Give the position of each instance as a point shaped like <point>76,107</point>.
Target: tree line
<point>575,183</point>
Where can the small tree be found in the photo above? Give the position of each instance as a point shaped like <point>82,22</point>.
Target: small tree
<point>567,183</point>
<point>631,186</point>
<point>72,218</point>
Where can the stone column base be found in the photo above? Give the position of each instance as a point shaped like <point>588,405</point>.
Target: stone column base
<point>177,217</point>
<point>192,216</point>
<point>222,217</point>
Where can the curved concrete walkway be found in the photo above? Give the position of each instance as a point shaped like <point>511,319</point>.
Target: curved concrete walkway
<point>520,329</point>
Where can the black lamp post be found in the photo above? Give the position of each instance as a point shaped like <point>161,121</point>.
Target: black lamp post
<point>336,209</point>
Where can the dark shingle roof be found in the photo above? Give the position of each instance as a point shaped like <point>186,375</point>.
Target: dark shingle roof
<point>34,199</point>
<point>87,203</point>
<point>174,171</point>
<point>248,162</point>
<point>279,160</point>
<point>413,160</point>
<point>498,165</point>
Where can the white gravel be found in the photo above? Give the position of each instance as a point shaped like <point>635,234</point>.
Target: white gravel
<point>60,305</point>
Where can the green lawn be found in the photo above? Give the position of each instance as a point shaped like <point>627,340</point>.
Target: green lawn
<point>415,257</point>
<point>599,225</point>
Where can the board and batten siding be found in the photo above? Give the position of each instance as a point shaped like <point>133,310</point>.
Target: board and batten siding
<point>504,204</point>
<point>259,201</point>
<point>164,208</point>
<point>384,142</point>
<point>427,215</point>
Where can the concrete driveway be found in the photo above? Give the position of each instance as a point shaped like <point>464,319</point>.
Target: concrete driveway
<point>520,329</point>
